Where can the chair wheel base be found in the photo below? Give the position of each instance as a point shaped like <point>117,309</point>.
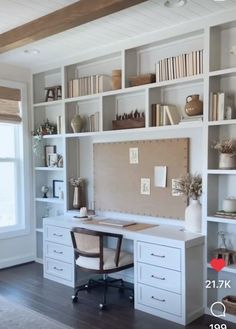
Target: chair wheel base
<point>102,306</point>
<point>74,299</point>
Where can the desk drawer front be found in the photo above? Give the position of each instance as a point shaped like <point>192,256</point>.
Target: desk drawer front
<point>159,255</point>
<point>159,299</point>
<point>58,234</point>
<point>59,269</point>
<point>159,277</point>
<point>60,252</point>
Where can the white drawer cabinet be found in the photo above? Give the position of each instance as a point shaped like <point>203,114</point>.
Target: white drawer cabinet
<point>159,299</point>
<point>159,255</point>
<point>159,277</point>
<point>58,255</point>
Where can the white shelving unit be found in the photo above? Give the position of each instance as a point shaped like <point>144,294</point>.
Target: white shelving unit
<point>76,148</point>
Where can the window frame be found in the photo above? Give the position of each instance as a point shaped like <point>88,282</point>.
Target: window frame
<point>23,227</point>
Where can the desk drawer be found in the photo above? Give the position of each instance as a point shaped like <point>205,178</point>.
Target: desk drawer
<point>159,299</point>
<point>58,234</point>
<point>59,252</point>
<point>59,269</point>
<point>159,255</point>
<point>159,277</point>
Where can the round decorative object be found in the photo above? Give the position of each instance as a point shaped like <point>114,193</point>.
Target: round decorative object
<point>193,217</point>
<point>193,105</point>
<point>116,79</point>
<point>227,161</point>
<point>77,124</point>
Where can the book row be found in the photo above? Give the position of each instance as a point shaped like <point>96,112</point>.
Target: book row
<point>221,106</point>
<point>180,66</point>
<point>162,115</point>
<point>89,85</point>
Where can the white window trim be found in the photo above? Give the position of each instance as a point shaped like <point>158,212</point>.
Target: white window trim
<point>27,211</point>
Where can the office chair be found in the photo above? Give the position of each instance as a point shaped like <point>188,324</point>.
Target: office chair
<point>91,255</point>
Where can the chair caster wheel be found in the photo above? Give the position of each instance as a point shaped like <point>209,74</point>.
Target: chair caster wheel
<point>74,299</point>
<point>131,299</point>
<point>102,306</point>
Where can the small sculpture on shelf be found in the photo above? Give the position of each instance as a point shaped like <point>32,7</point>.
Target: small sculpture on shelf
<point>44,190</point>
<point>53,93</point>
<point>223,252</point>
<point>78,198</point>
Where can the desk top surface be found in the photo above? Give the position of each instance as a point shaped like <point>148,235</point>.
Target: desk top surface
<point>162,233</point>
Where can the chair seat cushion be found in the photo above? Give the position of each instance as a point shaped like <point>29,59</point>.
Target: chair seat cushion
<point>108,260</point>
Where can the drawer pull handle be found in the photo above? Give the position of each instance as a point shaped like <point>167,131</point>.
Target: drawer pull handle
<point>159,300</point>
<point>157,277</point>
<point>58,269</point>
<point>160,256</point>
<point>58,252</point>
<point>58,235</point>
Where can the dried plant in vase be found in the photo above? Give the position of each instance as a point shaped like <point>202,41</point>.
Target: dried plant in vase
<point>227,151</point>
<point>191,186</point>
<point>78,198</point>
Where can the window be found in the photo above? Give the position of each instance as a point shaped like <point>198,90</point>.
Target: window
<point>12,164</point>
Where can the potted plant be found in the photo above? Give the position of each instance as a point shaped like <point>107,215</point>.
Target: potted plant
<point>191,186</point>
<point>227,151</point>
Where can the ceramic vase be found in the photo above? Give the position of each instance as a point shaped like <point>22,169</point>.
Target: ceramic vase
<point>227,161</point>
<point>193,217</point>
<point>193,105</point>
<point>77,200</point>
<point>77,123</point>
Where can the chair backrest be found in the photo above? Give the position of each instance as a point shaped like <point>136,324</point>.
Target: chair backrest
<point>90,243</point>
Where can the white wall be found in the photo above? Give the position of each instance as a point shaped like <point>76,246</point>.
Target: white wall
<point>19,249</point>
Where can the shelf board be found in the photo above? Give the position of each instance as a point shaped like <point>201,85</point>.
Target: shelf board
<point>48,169</point>
<point>227,269</point>
<point>52,103</point>
<point>50,136</point>
<point>82,98</point>
<point>222,122</point>
<point>39,230</point>
<point>221,220</point>
<point>135,130</point>
<point>50,200</point>
<point>223,72</point>
<point>221,172</point>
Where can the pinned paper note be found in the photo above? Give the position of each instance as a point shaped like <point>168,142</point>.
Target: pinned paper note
<point>145,186</point>
<point>160,176</point>
<point>133,155</point>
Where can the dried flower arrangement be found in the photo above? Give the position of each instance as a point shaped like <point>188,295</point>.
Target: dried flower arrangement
<point>227,146</point>
<point>189,185</point>
<point>76,182</point>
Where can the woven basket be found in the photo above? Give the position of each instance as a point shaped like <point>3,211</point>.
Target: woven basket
<point>142,79</point>
<point>230,304</point>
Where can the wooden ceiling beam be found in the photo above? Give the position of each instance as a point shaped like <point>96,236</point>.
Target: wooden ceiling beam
<point>79,13</point>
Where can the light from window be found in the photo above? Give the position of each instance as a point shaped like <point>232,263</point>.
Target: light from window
<point>9,177</point>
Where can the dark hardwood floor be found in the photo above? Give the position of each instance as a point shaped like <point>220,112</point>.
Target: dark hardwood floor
<point>25,285</point>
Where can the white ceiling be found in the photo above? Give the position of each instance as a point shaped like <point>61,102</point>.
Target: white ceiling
<point>144,18</point>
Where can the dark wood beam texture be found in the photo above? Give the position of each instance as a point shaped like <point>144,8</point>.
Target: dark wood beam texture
<point>79,13</point>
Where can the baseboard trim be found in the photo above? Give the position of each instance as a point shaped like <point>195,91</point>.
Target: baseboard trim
<point>13,261</point>
<point>39,260</point>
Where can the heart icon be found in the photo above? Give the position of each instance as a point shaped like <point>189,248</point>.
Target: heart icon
<point>217,264</point>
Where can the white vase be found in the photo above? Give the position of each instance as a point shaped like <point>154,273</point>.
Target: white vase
<point>193,217</point>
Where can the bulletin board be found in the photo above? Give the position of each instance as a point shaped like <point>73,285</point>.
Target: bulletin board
<point>117,182</point>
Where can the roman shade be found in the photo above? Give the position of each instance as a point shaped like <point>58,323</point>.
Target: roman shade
<point>9,105</point>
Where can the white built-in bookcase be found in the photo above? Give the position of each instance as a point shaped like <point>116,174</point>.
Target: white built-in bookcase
<point>76,148</point>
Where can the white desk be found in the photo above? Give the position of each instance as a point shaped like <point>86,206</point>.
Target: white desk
<point>168,265</point>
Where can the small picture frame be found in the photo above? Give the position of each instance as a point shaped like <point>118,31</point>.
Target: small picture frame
<point>57,188</point>
<point>49,149</point>
<point>52,160</point>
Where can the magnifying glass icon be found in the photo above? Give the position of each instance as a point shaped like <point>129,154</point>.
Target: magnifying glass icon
<point>218,310</point>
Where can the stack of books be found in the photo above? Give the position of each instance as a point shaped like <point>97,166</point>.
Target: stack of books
<point>191,119</point>
<point>162,115</point>
<point>219,101</point>
<point>180,66</point>
<point>224,214</point>
<point>89,85</point>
